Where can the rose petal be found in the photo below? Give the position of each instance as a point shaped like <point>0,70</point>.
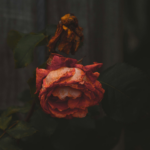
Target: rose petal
<point>80,113</point>
<point>76,78</point>
<point>89,94</point>
<point>99,90</point>
<point>40,75</point>
<point>60,61</point>
<point>57,75</point>
<point>84,102</point>
<point>62,114</point>
<point>61,106</point>
<point>73,103</point>
<point>55,38</point>
<point>63,92</point>
<point>44,104</point>
<point>90,68</point>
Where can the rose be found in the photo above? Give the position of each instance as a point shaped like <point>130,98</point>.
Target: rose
<point>66,89</point>
<point>68,35</point>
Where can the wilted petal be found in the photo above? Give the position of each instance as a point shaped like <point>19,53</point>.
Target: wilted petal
<point>89,94</point>
<point>52,43</point>
<point>92,76</point>
<point>93,67</point>
<point>56,75</point>
<point>63,92</point>
<point>90,68</point>
<point>99,90</point>
<point>80,113</point>
<point>84,102</point>
<point>62,114</point>
<point>61,105</point>
<point>44,104</point>
<point>73,103</point>
<point>76,78</point>
<point>40,75</point>
<point>58,62</point>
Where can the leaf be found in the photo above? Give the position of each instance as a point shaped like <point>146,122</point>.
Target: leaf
<point>4,122</point>
<point>43,123</point>
<point>86,123</point>
<point>23,52</point>
<point>126,92</point>
<point>10,110</point>
<point>49,31</point>
<point>21,130</point>
<point>13,38</point>
<point>94,110</point>
<point>85,133</point>
<point>25,96</point>
<point>15,109</point>
<point>7,143</point>
<point>25,108</point>
<point>73,131</point>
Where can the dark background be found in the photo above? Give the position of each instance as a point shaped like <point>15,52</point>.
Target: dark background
<point>114,31</point>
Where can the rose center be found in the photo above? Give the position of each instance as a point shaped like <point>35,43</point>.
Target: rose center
<point>63,92</point>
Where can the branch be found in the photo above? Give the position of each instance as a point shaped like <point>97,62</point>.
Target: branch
<point>31,111</point>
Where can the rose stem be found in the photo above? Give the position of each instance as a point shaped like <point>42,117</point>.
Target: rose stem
<point>31,111</point>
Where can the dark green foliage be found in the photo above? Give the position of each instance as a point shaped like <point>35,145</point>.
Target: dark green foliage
<point>4,122</point>
<point>8,143</point>
<point>125,101</point>
<point>25,96</point>
<point>45,124</point>
<point>21,130</point>
<point>24,44</point>
<point>85,133</point>
<point>13,38</point>
<point>126,92</point>
<point>23,52</point>
<point>15,109</point>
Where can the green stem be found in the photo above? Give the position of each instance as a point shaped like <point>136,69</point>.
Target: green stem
<point>9,128</point>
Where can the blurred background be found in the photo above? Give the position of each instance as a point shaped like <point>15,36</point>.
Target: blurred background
<point>114,31</point>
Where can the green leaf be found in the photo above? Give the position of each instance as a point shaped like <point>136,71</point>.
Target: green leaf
<point>7,143</point>
<point>86,133</point>
<point>94,110</point>
<point>13,38</point>
<point>23,52</point>
<point>49,31</point>
<point>43,123</point>
<point>15,109</point>
<point>25,108</point>
<point>126,92</point>
<point>10,110</point>
<point>21,130</point>
<point>86,123</point>
<point>4,122</point>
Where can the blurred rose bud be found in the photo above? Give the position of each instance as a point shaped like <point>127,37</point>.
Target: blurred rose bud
<point>68,35</point>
